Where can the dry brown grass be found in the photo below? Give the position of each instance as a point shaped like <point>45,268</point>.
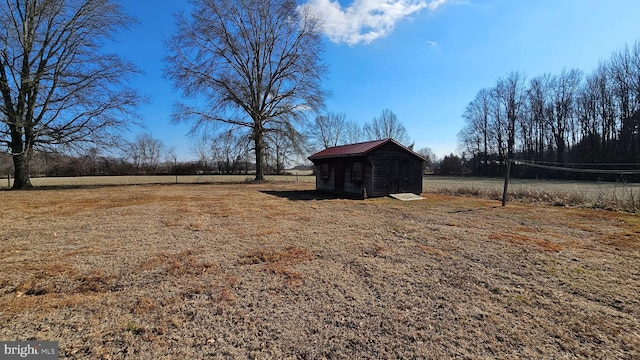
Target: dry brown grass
<point>277,271</point>
<point>279,262</point>
<point>616,196</point>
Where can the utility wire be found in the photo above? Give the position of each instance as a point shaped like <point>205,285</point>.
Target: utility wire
<point>579,164</point>
<point>577,170</point>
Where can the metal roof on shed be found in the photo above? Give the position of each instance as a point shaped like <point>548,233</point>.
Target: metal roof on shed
<point>358,149</point>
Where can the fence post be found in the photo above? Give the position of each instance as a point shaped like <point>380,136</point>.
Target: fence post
<point>506,183</point>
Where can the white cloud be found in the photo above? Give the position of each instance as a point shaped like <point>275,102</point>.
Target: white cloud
<point>366,20</point>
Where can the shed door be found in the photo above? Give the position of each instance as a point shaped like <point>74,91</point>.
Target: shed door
<point>339,175</point>
<point>398,176</point>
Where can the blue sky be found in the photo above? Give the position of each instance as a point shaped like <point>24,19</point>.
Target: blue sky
<point>422,59</point>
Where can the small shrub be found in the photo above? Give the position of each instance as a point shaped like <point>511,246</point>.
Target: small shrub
<point>131,326</point>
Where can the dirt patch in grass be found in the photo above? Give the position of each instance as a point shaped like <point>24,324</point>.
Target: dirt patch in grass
<point>252,271</point>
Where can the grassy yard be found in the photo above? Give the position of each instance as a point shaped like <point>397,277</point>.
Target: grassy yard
<point>602,195</point>
<point>276,270</point>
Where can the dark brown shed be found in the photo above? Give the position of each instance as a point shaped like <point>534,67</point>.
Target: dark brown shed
<point>379,168</point>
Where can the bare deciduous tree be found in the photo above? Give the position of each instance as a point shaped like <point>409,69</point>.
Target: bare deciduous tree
<point>510,97</point>
<point>475,136</point>
<point>538,99</point>
<point>58,87</point>
<point>563,93</point>
<point>145,152</point>
<point>202,148</point>
<point>229,149</point>
<point>281,148</point>
<point>429,158</point>
<point>327,130</point>
<point>353,133</point>
<point>249,63</point>
<point>387,126</point>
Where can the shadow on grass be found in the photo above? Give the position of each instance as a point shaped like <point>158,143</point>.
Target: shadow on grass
<point>307,195</point>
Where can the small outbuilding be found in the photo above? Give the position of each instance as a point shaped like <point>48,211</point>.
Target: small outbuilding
<point>374,168</point>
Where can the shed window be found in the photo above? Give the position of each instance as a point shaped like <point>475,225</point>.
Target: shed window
<point>324,171</point>
<point>357,171</point>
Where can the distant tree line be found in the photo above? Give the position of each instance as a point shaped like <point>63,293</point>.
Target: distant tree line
<point>562,119</point>
<point>59,164</point>
<point>221,152</point>
<point>146,155</point>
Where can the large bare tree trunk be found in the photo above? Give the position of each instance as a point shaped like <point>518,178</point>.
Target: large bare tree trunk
<point>259,150</point>
<point>21,171</point>
<point>21,156</point>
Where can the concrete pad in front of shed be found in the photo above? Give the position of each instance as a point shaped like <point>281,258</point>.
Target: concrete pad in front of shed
<point>406,196</point>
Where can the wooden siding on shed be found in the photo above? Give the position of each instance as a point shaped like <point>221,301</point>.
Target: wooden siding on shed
<point>330,183</point>
<point>381,158</point>
<point>349,186</point>
<point>356,187</point>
